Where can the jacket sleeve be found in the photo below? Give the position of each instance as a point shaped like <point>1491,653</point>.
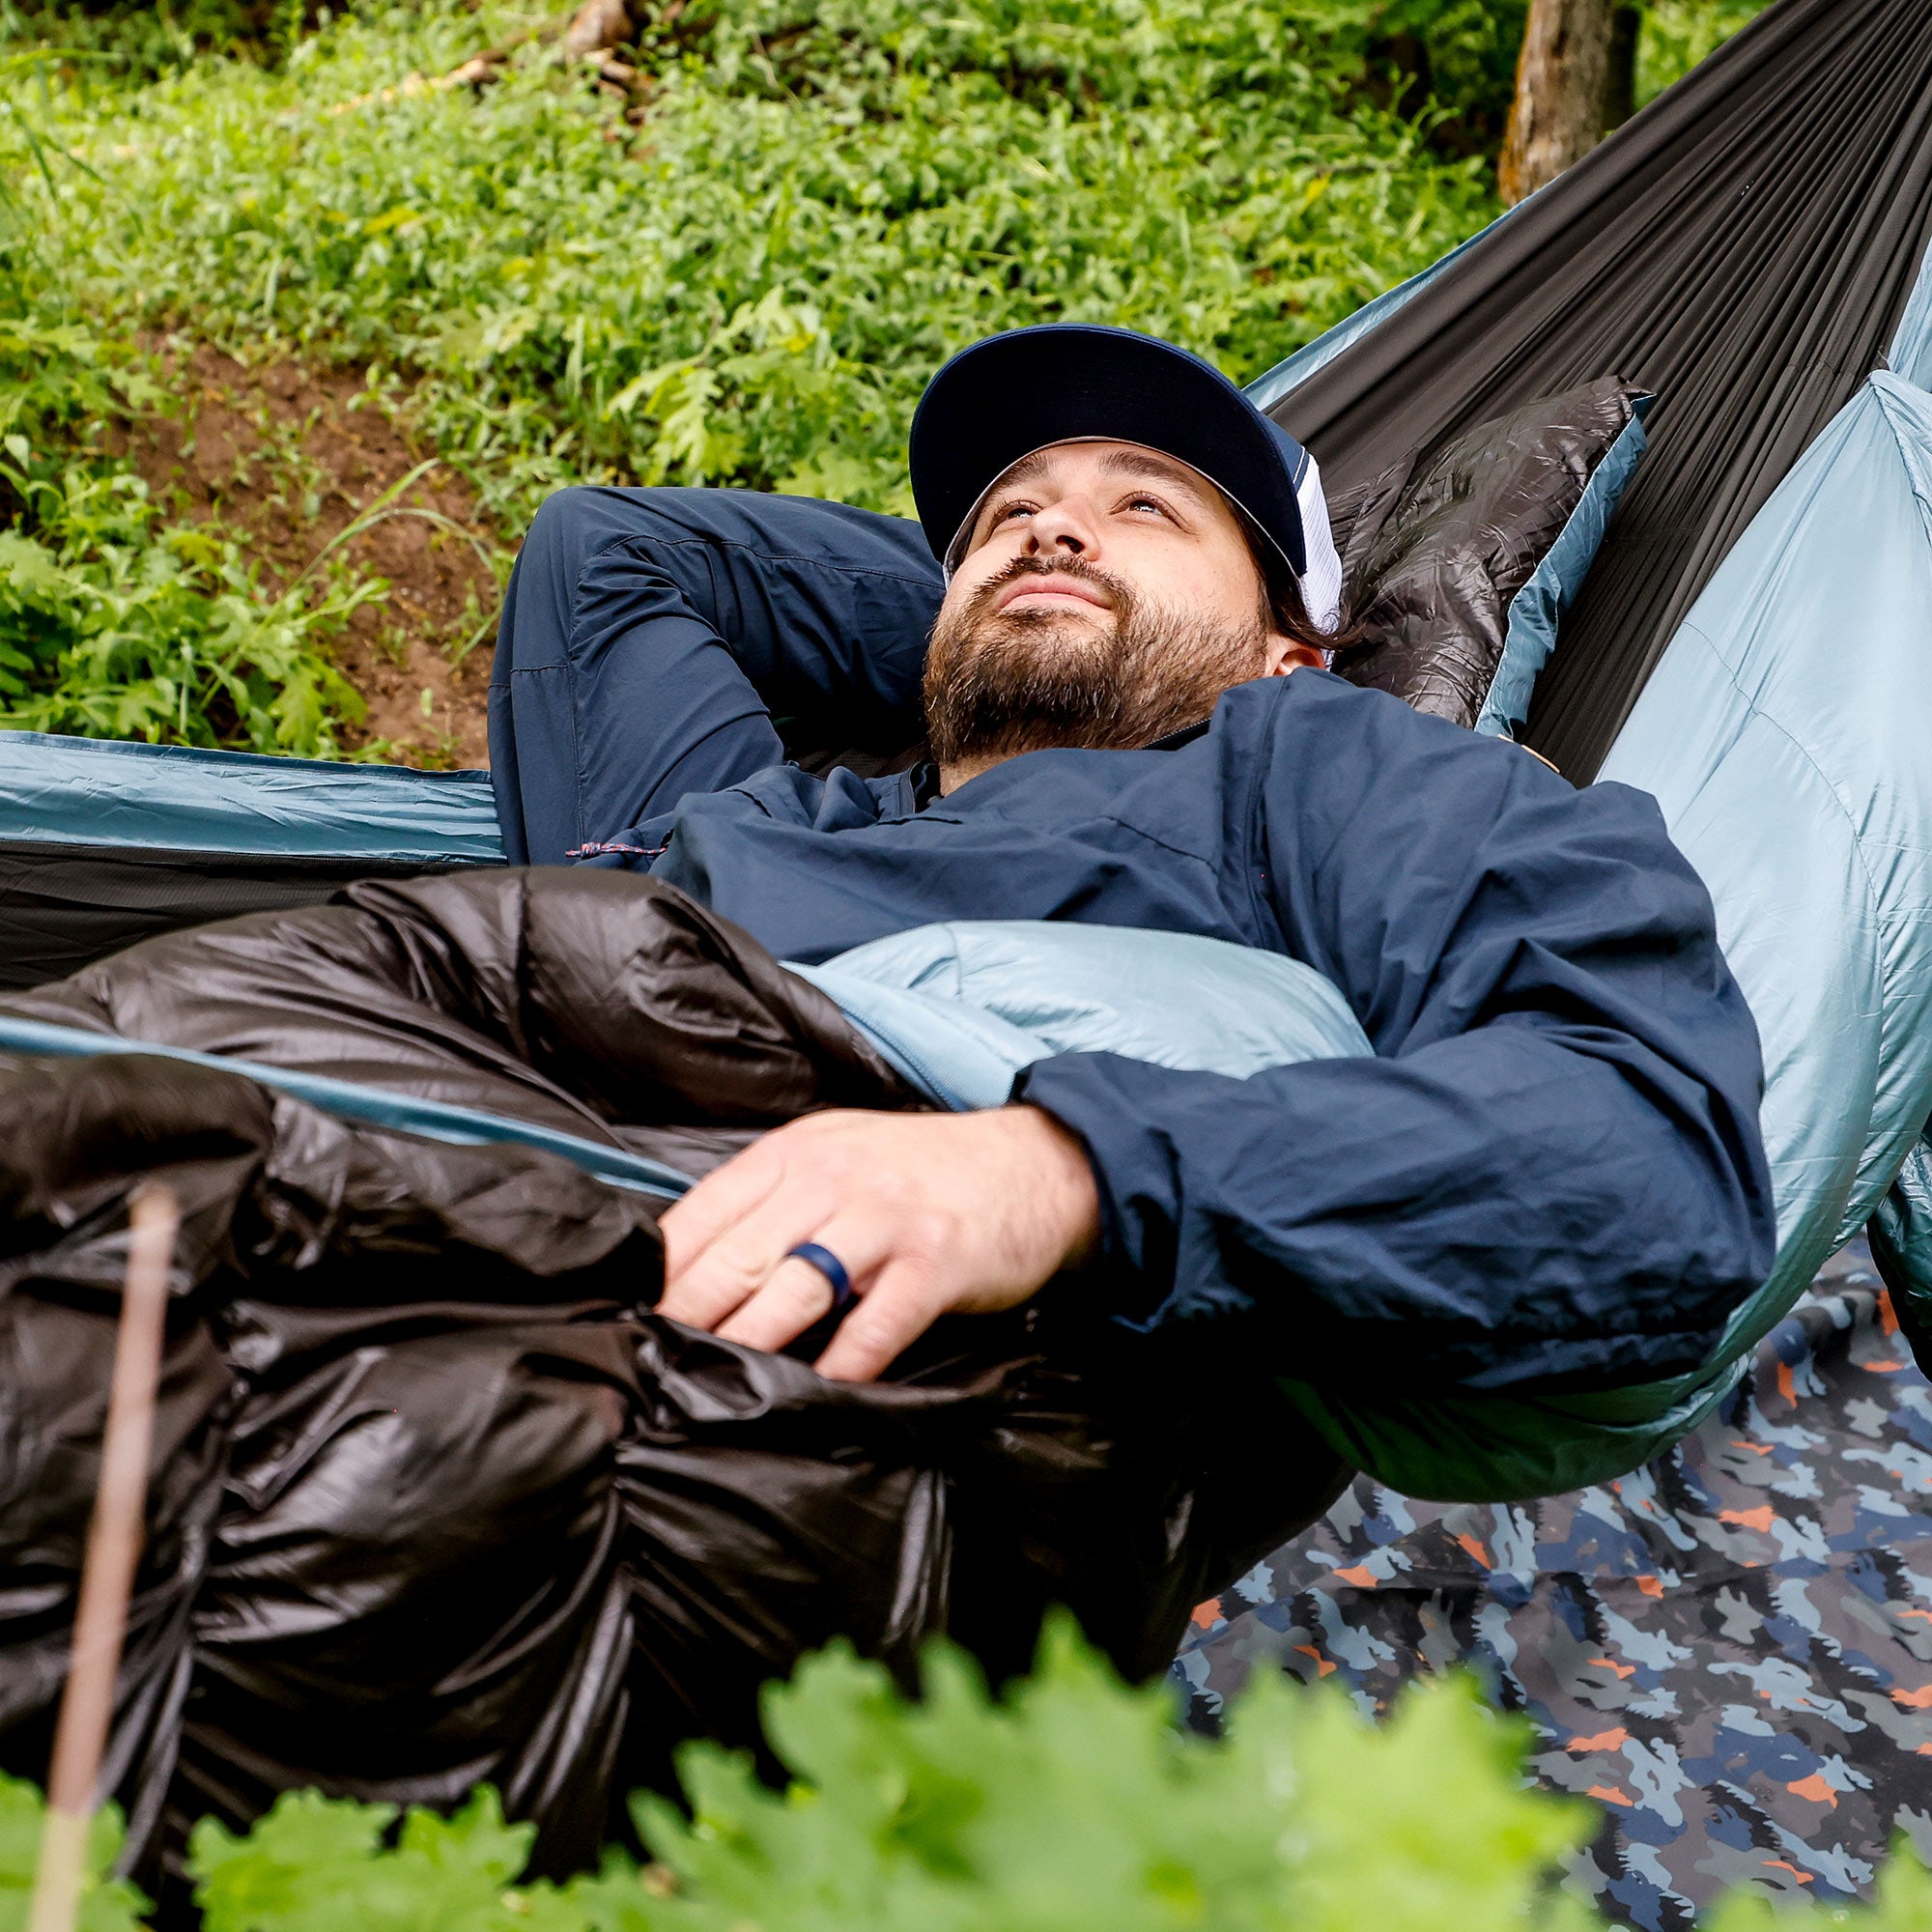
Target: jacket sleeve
<point>1551,1171</point>
<point>657,644</point>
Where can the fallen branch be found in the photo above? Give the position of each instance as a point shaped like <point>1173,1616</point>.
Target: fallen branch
<point>590,33</point>
<point>595,28</point>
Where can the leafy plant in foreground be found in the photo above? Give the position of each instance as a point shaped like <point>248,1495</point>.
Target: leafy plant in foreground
<point>107,1904</point>
<point>1073,1805</point>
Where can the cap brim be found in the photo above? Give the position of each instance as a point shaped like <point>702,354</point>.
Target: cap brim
<point>1006,397</point>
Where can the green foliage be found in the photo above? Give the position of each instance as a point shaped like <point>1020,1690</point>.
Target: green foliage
<point>1072,1805</point>
<point>1677,34</point>
<point>107,1904</point>
<point>313,1865</point>
<point>150,36</point>
<point>1077,1805</point>
<point>1459,55</point>
<point>113,622</point>
<point>821,202</point>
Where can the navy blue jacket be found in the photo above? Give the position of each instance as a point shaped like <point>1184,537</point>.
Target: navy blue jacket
<point>1550,1172</point>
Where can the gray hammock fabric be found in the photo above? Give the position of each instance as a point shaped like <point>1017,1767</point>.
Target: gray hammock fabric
<point>1744,248</point>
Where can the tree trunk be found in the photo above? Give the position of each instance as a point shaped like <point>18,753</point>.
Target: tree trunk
<point>1620,99</point>
<point>1574,64</point>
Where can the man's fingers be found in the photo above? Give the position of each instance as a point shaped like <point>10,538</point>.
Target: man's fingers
<point>885,1321</point>
<point>927,1212</point>
<point>749,1223</point>
<point>732,1269</point>
<point>795,1297</point>
<point>796,1293</point>
<point>717,1204</point>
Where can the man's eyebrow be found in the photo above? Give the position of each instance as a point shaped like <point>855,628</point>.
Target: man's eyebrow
<point>1162,468</point>
<point>1022,471</point>
<point>1123,463</point>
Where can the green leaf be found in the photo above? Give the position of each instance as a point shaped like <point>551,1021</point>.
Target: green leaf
<point>315,1865</point>
<point>299,1868</point>
<point>1421,1822</point>
<point>30,568</point>
<point>1904,1901</point>
<point>1076,1805</point>
<point>473,1848</point>
<point>107,1904</point>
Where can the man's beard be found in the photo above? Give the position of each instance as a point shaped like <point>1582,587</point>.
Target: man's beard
<point>1002,682</point>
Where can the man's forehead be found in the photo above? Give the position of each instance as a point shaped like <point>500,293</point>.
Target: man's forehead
<point>1114,459</point>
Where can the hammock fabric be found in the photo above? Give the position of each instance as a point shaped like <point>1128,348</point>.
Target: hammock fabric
<point>1744,248</point>
<point>104,843</point>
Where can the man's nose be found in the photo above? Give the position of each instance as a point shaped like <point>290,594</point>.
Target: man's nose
<point>1064,528</point>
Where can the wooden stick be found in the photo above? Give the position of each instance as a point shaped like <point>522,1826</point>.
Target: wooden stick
<point>107,1575</point>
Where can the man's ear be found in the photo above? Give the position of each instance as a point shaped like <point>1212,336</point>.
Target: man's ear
<point>1283,655</point>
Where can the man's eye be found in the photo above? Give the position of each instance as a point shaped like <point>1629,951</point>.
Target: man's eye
<point>1007,511</point>
<point>1152,504</point>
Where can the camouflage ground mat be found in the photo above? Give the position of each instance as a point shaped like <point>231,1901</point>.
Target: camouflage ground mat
<point>1731,1649</point>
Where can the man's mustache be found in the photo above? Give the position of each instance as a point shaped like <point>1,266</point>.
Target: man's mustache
<point>1118,593</point>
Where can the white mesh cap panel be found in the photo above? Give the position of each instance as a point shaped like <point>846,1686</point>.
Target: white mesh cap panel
<point>1322,582</point>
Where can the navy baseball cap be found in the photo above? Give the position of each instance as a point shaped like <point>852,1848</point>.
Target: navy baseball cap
<point>1064,381</point>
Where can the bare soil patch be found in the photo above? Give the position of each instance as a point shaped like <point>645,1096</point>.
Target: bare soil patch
<point>287,457</point>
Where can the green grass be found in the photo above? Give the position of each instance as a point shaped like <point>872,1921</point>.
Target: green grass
<point>1677,34</point>
<point>115,621</point>
<point>753,286</point>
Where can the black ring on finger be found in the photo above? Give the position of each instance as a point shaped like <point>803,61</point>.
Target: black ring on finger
<point>830,1267</point>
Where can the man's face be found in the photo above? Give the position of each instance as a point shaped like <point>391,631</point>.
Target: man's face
<point>1107,596</point>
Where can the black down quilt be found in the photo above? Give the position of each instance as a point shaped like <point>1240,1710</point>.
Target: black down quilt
<point>438,1498</point>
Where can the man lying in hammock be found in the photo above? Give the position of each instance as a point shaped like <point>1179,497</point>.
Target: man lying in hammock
<point>1549,1171</point>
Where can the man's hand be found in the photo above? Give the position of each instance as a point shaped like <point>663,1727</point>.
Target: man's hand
<point>931,1214</point>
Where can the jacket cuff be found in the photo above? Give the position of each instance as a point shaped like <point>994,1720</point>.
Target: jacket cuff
<point>1136,1180</point>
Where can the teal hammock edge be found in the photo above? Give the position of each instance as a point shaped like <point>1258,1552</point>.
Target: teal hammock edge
<point>367,1106</point>
<point>179,798</point>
